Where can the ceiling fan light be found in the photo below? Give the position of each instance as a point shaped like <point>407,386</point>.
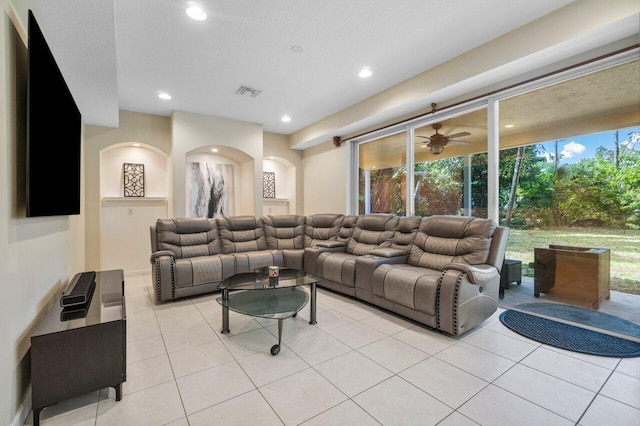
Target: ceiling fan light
<point>437,149</point>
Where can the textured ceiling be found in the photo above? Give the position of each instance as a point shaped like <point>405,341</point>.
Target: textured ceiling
<point>119,54</point>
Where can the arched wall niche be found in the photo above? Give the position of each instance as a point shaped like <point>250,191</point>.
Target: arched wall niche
<point>125,221</point>
<point>284,201</point>
<point>229,169</point>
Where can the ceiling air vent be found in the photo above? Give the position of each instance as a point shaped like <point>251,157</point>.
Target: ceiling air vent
<point>244,90</point>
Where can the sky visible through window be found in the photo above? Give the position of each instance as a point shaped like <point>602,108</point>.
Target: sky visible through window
<point>577,148</point>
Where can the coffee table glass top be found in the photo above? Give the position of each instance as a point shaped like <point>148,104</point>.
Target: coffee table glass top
<point>277,303</point>
<point>258,279</point>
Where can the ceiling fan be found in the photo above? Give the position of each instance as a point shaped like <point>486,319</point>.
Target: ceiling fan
<point>438,141</point>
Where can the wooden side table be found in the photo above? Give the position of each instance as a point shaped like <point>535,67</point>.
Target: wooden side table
<point>71,357</point>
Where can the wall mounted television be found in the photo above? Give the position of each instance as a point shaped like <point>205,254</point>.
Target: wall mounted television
<point>53,133</point>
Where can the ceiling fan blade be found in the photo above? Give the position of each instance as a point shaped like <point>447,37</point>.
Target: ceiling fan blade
<point>458,143</point>
<point>424,137</point>
<point>458,135</point>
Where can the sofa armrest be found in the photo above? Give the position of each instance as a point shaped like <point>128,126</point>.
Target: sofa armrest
<point>331,244</point>
<point>365,265</point>
<point>388,252</point>
<point>163,274</point>
<point>157,254</point>
<point>476,274</point>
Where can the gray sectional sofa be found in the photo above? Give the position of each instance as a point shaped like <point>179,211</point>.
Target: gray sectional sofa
<point>441,271</point>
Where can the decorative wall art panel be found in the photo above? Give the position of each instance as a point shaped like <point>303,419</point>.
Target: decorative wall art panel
<point>268,185</point>
<point>210,190</point>
<point>133,179</point>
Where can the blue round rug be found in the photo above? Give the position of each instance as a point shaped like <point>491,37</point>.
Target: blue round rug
<point>574,338</point>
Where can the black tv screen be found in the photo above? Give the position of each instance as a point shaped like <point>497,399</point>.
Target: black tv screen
<point>53,134</point>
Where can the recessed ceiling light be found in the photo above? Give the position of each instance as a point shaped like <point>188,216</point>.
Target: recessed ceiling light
<point>271,157</point>
<point>286,118</point>
<point>509,126</point>
<point>164,95</point>
<point>136,144</point>
<point>214,149</point>
<point>195,12</point>
<point>297,49</point>
<point>365,72</point>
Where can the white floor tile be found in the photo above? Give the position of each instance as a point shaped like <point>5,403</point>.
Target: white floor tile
<point>605,411</point>
<point>181,339</point>
<point>263,368</point>
<point>387,323</point>
<point>295,399</point>
<point>158,405</point>
<point>250,343</point>
<point>623,388</point>
<point>457,419</point>
<point>212,386</point>
<point>630,367</point>
<point>356,334</point>
<point>556,395</point>
<point>293,328</point>
<point>77,411</point>
<point>246,409</point>
<point>494,406</point>
<point>181,322</point>
<point>500,344</point>
<point>426,340</point>
<point>346,413</point>
<point>330,319</point>
<point>197,358</point>
<point>150,347</point>
<point>353,373</point>
<point>393,354</point>
<point>476,361</point>
<point>570,369</point>
<point>318,348</point>
<point>443,381</point>
<point>147,373</point>
<point>396,402</point>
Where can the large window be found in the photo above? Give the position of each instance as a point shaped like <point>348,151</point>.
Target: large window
<point>559,166</point>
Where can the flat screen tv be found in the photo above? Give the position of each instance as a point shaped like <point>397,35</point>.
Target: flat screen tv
<point>53,134</point>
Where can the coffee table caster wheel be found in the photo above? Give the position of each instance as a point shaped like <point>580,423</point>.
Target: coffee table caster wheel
<point>295,315</point>
<point>275,349</point>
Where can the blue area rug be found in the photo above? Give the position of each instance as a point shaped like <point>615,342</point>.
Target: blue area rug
<point>570,337</point>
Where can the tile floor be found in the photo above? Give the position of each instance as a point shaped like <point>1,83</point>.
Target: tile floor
<point>357,366</point>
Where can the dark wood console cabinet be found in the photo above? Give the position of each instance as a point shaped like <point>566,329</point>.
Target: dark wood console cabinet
<point>73,357</point>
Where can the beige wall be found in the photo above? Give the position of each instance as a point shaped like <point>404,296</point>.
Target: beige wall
<point>325,179</point>
<point>38,256</point>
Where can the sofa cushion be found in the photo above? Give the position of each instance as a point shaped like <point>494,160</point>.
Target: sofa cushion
<point>322,227</point>
<point>441,240</point>
<point>371,232</point>
<point>204,269</point>
<point>410,286</point>
<point>187,238</point>
<point>240,234</point>
<point>338,267</point>
<point>248,261</point>
<point>284,232</point>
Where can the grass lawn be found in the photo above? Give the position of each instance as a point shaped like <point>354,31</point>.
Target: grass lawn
<point>624,246</point>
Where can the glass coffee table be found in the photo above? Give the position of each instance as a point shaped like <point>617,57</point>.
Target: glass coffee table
<point>255,294</point>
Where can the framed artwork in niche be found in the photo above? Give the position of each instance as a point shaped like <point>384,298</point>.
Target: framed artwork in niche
<point>268,185</point>
<point>133,179</point>
<point>210,189</point>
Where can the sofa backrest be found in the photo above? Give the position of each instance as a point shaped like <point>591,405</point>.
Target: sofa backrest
<point>284,232</point>
<point>405,233</point>
<point>322,227</point>
<point>371,232</point>
<point>441,240</point>
<point>188,237</point>
<point>240,234</point>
